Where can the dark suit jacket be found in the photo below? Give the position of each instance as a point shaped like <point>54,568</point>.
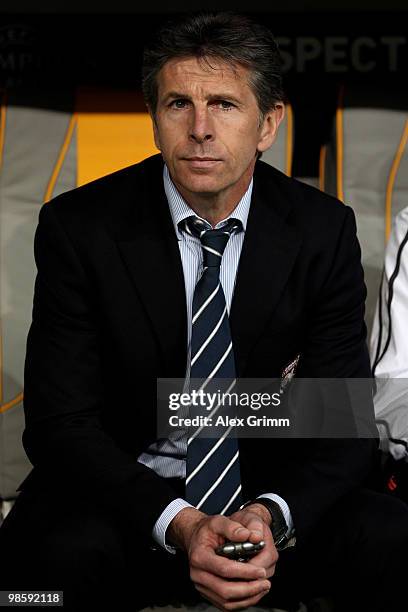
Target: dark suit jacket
<point>109,317</point>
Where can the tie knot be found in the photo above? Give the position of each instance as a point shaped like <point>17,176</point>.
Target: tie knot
<point>213,241</point>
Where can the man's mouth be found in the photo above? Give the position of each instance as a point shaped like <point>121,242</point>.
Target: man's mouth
<point>202,162</point>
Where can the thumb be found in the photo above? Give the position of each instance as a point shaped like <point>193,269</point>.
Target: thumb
<point>231,530</point>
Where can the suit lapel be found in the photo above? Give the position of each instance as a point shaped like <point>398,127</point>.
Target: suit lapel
<point>268,254</point>
<point>151,255</point>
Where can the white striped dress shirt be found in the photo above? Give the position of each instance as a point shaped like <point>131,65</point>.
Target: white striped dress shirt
<point>168,457</point>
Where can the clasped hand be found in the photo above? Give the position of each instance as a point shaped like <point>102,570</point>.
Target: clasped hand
<point>226,583</point>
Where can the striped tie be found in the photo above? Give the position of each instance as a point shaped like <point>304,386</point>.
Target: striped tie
<point>213,480</point>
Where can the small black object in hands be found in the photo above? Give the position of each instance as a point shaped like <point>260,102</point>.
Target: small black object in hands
<point>239,551</point>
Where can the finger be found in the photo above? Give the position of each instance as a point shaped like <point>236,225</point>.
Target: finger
<point>239,605</point>
<point>270,570</point>
<point>267,556</point>
<point>230,590</point>
<point>256,526</point>
<point>253,522</point>
<point>232,604</point>
<point>230,530</point>
<point>205,558</point>
<point>268,562</point>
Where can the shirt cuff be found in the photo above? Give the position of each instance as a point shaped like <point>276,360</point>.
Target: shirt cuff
<point>164,520</point>
<point>285,510</point>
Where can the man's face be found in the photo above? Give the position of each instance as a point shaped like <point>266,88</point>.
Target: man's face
<point>207,125</point>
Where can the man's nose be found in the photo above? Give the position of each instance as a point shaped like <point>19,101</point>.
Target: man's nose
<point>201,128</point>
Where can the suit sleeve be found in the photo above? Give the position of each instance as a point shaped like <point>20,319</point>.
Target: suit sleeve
<point>64,437</point>
<point>334,348</point>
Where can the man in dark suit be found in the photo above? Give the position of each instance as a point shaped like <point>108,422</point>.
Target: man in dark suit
<point>106,514</point>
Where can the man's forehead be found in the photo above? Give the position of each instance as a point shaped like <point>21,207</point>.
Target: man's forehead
<point>202,69</point>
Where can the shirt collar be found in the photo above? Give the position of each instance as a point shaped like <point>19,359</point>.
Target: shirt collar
<point>180,210</point>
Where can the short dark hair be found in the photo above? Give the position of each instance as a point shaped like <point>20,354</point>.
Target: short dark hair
<point>226,36</point>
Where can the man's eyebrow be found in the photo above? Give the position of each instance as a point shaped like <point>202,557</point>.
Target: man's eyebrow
<point>224,96</point>
<point>175,95</point>
<point>172,95</point>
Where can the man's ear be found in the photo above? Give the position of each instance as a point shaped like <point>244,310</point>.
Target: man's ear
<point>155,130</point>
<point>270,125</point>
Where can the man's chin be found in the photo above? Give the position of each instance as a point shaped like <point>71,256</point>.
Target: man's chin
<point>200,185</point>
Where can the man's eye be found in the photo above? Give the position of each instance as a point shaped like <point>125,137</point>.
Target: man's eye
<point>179,103</point>
<point>225,105</point>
